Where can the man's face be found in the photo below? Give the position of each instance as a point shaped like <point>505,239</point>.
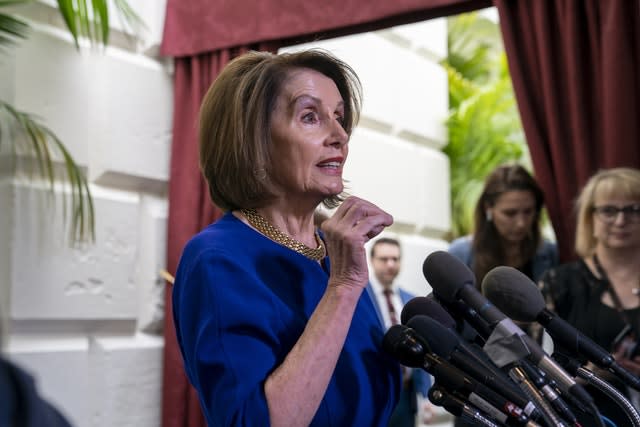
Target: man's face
<point>386,263</point>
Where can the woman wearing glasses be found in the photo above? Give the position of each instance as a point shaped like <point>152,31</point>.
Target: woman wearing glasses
<point>600,293</point>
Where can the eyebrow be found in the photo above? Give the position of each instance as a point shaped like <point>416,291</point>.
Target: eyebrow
<point>298,100</point>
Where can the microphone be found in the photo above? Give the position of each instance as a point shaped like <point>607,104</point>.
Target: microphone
<point>402,343</point>
<point>521,299</point>
<point>452,279</point>
<point>441,397</point>
<point>427,306</point>
<point>474,330</point>
<point>445,343</point>
<point>410,348</point>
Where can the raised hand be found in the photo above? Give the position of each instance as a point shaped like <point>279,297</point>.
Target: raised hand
<point>353,224</point>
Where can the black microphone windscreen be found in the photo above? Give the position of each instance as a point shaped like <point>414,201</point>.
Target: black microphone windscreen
<point>514,293</point>
<point>404,344</point>
<point>446,274</point>
<point>442,341</point>
<point>428,307</point>
<point>392,337</point>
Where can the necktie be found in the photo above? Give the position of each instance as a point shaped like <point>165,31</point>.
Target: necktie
<point>388,293</point>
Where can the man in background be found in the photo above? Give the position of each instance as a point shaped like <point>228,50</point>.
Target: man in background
<point>21,404</point>
<point>389,298</point>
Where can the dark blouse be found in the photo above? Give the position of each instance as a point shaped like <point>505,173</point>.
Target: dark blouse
<point>575,294</point>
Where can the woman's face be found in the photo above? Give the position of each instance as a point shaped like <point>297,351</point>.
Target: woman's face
<point>514,214</point>
<point>616,230</point>
<point>309,142</point>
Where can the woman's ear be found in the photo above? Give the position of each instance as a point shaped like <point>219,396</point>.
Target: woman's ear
<point>488,212</point>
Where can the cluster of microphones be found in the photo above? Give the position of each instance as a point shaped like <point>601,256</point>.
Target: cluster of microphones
<point>486,369</point>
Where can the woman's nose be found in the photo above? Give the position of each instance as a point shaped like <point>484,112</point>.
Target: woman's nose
<point>338,136</point>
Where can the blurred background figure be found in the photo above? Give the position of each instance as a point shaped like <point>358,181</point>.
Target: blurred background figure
<point>21,405</point>
<point>389,298</point>
<point>599,293</point>
<point>506,231</point>
<point>507,227</point>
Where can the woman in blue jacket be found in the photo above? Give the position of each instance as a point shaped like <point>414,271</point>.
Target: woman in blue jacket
<point>507,232</point>
<point>270,314</point>
<point>507,227</point>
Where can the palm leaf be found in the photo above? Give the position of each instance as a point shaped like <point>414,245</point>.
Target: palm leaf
<point>11,28</point>
<point>90,20</point>
<point>84,19</point>
<point>44,145</point>
<point>483,124</point>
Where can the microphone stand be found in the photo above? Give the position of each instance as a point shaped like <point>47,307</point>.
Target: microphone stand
<point>612,393</point>
<point>506,351</point>
<point>548,414</point>
<point>439,396</point>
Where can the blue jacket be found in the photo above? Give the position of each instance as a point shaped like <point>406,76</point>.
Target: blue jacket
<point>545,258</point>
<point>241,302</point>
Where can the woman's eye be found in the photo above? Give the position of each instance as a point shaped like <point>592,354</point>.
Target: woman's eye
<point>309,117</point>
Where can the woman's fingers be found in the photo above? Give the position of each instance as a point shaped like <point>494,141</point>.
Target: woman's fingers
<point>362,217</point>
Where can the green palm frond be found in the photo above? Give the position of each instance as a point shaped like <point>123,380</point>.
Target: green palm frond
<point>484,124</point>
<point>11,28</point>
<point>90,20</point>
<point>47,149</point>
<point>474,44</point>
<point>23,134</point>
<point>460,88</point>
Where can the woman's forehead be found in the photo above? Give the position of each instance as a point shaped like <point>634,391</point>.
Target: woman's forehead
<point>615,189</point>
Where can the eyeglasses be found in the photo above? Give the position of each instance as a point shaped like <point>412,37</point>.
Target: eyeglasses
<point>609,213</point>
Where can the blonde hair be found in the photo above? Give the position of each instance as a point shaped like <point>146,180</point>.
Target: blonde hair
<point>616,182</point>
<point>235,120</point>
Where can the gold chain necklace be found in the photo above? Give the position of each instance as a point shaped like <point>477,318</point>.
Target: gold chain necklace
<point>263,226</point>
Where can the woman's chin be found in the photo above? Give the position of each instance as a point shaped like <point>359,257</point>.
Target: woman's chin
<point>333,190</point>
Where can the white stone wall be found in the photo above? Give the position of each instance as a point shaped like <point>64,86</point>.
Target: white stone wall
<point>85,320</point>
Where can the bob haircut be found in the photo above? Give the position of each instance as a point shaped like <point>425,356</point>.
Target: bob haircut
<point>235,120</point>
<point>606,183</point>
<point>487,243</point>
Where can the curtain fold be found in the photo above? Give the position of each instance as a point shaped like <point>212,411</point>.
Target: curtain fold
<point>190,210</point>
<point>197,26</point>
<point>575,71</point>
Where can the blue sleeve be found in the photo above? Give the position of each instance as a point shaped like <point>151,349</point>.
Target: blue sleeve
<point>422,381</point>
<point>545,259</point>
<point>226,332</point>
<point>553,253</point>
<point>461,249</point>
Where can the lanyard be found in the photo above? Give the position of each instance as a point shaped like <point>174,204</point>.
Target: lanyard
<point>613,293</point>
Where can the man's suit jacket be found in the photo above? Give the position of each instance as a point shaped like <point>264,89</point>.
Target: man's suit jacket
<point>421,379</point>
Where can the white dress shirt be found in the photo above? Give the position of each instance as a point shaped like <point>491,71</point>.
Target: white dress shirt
<point>381,299</point>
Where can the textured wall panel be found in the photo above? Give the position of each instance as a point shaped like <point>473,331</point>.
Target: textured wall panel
<point>54,281</point>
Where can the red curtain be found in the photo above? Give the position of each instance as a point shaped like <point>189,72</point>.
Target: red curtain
<point>190,210</point>
<point>575,70</point>
<point>197,26</point>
